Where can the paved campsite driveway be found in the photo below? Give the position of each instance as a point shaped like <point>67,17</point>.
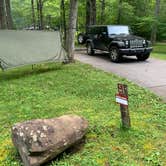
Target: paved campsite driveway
<point>150,74</point>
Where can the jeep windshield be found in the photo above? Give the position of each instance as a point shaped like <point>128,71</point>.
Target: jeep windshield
<point>118,30</point>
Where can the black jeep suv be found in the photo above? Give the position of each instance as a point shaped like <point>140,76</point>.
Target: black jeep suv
<point>117,40</point>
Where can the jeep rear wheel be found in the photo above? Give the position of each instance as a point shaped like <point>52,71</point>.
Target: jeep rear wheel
<point>114,54</point>
<point>90,50</point>
<point>143,57</point>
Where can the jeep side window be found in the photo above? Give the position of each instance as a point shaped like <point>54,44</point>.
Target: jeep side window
<point>104,31</point>
<point>90,30</point>
<point>94,30</point>
<point>97,31</point>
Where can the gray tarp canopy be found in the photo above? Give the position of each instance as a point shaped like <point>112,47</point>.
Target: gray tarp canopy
<point>18,48</point>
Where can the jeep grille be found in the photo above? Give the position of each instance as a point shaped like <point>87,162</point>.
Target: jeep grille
<point>136,43</point>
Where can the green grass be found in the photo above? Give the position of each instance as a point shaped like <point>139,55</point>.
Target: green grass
<point>53,90</point>
<point>159,51</point>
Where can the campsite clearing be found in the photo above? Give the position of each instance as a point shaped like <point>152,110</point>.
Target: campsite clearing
<point>52,90</point>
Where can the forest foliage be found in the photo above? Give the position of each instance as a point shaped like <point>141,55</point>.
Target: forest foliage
<point>139,14</point>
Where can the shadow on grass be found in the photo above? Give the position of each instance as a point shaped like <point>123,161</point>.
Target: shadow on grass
<point>22,72</point>
<point>68,152</point>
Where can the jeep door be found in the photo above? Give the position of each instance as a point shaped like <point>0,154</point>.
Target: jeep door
<point>96,37</point>
<point>102,38</point>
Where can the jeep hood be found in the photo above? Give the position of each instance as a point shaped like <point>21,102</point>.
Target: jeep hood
<point>125,37</point>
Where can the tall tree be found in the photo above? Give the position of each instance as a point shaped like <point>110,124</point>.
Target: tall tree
<point>41,14</point>
<point>154,27</point>
<point>2,15</point>
<point>119,12</point>
<point>38,13</point>
<point>9,19</point>
<point>71,29</point>
<point>40,4</point>
<point>90,12</point>
<point>88,9</point>
<point>102,17</point>
<point>33,14</point>
<point>63,19</point>
<point>93,11</point>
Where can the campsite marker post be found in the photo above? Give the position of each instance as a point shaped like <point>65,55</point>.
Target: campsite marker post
<point>122,99</point>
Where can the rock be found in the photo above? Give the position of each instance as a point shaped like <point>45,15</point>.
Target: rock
<point>39,141</point>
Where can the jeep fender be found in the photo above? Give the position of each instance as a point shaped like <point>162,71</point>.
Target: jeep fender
<point>118,44</point>
<point>90,41</point>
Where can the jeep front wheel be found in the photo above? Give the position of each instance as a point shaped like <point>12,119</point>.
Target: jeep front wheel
<point>114,54</point>
<point>90,50</point>
<point>143,57</point>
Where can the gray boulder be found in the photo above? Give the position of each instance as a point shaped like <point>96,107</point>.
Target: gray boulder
<point>39,141</point>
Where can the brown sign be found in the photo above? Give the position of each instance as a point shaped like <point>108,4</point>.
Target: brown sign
<point>122,90</point>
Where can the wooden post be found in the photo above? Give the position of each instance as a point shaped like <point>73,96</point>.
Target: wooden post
<point>125,116</point>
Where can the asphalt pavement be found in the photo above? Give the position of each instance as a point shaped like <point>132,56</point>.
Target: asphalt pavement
<point>150,74</point>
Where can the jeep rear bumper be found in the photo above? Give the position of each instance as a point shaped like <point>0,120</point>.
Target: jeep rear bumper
<point>135,51</point>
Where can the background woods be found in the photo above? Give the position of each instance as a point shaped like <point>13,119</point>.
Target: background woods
<point>146,17</point>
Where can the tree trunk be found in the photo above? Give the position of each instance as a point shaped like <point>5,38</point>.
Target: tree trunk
<point>154,27</point>
<point>93,15</point>
<point>41,14</point>
<point>72,29</point>
<point>2,15</point>
<point>63,20</point>
<point>90,12</point>
<point>9,19</point>
<point>102,19</point>
<point>33,14</point>
<point>87,13</point>
<point>119,12</point>
<point>38,14</point>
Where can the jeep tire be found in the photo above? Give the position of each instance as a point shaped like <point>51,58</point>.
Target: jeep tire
<point>90,50</point>
<point>114,54</point>
<point>143,57</point>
